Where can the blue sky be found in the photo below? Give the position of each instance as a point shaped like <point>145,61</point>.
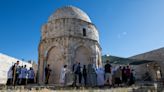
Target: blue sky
<point>126,27</point>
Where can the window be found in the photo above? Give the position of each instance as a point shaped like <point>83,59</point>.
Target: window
<point>84,32</point>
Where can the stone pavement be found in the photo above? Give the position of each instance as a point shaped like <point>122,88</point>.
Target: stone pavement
<point>53,88</point>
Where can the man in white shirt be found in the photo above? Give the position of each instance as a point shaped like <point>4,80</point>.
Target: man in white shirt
<point>24,73</point>
<point>20,75</point>
<point>31,75</point>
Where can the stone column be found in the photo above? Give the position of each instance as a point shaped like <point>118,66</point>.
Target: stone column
<point>40,70</point>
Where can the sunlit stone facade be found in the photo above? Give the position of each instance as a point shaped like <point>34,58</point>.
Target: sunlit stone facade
<point>67,37</point>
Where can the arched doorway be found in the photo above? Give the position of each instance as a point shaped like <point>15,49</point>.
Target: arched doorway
<point>55,60</point>
<point>82,55</point>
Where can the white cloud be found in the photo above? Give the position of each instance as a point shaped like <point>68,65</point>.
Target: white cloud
<point>122,34</point>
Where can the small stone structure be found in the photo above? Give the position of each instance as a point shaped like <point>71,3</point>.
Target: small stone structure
<point>67,37</point>
<point>157,67</point>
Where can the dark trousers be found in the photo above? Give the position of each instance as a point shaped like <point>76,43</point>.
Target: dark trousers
<point>46,79</point>
<point>24,81</point>
<point>19,81</point>
<point>16,82</point>
<point>80,77</point>
<point>75,79</point>
<point>30,81</point>
<point>9,81</point>
<point>124,79</point>
<point>85,79</point>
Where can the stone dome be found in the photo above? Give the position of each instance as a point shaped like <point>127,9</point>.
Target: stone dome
<point>70,12</point>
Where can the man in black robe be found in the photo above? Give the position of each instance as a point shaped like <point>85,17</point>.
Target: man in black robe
<point>47,73</point>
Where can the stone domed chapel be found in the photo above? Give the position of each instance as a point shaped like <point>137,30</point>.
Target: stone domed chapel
<point>69,36</point>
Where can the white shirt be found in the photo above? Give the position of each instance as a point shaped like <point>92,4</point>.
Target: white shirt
<point>23,73</point>
<point>62,75</point>
<point>100,76</point>
<point>31,74</point>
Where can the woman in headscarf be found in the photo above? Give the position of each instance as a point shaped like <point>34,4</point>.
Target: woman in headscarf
<point>63,75</point>
<point>100,77</point>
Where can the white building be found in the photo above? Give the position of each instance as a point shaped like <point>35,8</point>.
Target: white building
<point>5,63</point>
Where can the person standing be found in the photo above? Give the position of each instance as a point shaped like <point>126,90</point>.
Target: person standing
<point>9,76</point>
<point>100,77</point>
<point>124,77</point>
<point>19,72</point>
<point>132,78</point>
<point>47,73</point>
<point>85,75</point>
<point>15,71</point>
<point>63,75</point>
<point>108,75</point>
<point>24,73</point>
<point>74,69</point>
<point>79,72</point>
<point>128,73</point>
<point>31,75</point>
<point>20,75</point>
<point>91,75</point>
<point>118,76</point>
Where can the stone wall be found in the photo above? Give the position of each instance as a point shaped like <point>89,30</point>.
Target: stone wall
<point>62,43</point>
<point>69,27</point>
<point>140,71</point>
<point>155,55</point>
<point>68,50</point>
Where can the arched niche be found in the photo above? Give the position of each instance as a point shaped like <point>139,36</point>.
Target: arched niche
<point>55,60</point>
<point>82,55</point>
